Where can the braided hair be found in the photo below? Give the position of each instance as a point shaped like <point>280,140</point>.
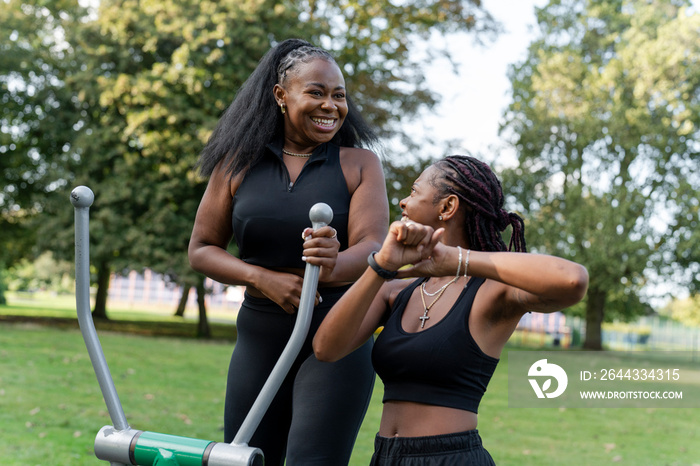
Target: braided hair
<point>481,196</point>
<point>303,54</point>
<point>253,119</point>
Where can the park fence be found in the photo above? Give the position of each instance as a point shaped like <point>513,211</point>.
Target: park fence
<point>149,289</point>
<point>649,333</point>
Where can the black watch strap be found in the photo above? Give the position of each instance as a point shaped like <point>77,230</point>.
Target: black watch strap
<point>384,273</point>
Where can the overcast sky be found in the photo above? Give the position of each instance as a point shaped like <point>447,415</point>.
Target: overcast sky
<point>474,100</point>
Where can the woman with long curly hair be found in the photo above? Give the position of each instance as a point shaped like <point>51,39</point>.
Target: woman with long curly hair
<point>291,138</point>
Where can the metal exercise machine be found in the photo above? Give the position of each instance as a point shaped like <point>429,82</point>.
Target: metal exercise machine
<point>121,445</point>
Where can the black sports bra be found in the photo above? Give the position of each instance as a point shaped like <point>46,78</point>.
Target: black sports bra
<point>441,365</point>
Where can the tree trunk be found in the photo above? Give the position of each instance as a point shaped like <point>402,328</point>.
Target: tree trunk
<point>595,310</point>
<point>203,330</point>
<point>3,300</point>
<point>180,311</point>
<point>100,310</point>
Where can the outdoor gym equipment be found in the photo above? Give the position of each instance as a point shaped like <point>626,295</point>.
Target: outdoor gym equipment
<point>119,443</point>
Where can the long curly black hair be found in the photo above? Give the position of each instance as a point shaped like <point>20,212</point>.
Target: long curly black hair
<point>481,196</point>
<point>253,119</point>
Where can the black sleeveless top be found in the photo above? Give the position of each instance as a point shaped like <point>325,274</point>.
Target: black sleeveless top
<point>269,212</point>
<point>441,365</point>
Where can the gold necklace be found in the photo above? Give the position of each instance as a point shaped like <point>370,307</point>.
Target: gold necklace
<point>440,290</point>
<point>439,293</point>
<point>294,154</point>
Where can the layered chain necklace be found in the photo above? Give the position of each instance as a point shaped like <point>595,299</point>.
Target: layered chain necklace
<point>440,291</point>
<point>424,293</point>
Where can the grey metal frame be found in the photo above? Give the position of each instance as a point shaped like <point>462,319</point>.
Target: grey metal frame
<point>320,215</point>
<point>113,443</point>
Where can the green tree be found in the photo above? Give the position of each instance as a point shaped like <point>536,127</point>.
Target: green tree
<point>605,121</point>
<point>145,82</point>
<point>686,311</point>
<point>31,70</point>
<point>44,273</point>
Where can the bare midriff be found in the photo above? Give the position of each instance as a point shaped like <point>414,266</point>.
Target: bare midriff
<point>409,419</point>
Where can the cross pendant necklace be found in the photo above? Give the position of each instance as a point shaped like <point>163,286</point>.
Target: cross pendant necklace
<point>425,316</point>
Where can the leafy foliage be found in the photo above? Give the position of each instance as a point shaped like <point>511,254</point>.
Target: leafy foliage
<point>605,118</point>
<point>123,97</point>
<point>686,311</point>
<point>44,273</point>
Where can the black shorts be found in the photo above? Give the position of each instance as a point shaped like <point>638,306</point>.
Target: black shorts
<point>459,449</point>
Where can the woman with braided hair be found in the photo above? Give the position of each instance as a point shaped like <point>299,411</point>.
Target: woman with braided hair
<point>291,138</point>
<point>443,333</point>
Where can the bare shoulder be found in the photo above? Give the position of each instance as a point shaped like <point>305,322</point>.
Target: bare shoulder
<point>359,158</point>
<point>359,165</point>
<point>222,182</point>
<point>358,153</point>
<point>213,219</point>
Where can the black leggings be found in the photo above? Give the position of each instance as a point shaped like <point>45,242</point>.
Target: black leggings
<point>316,415</point>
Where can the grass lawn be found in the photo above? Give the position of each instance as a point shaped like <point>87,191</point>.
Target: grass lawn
<point>51,406</point>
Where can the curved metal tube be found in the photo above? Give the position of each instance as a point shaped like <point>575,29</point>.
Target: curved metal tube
<point>82,198</point>
<point>320,215</point>
<point>114,443</point>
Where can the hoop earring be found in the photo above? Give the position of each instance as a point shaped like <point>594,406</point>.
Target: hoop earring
<point>282,108</point>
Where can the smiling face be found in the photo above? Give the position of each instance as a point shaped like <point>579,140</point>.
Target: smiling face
<point>421,206</point>
<point>313,95</point>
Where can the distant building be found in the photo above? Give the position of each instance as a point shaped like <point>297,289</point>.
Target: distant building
<point>150,289</point>
<point>552,324</point>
